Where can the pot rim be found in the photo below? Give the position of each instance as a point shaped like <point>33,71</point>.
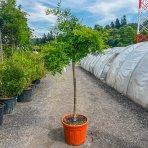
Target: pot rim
<point>74,126</point>
<point>7,98</point>
<point>28,89</point>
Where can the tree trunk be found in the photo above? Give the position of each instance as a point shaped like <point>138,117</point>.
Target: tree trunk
<point>1,46</point>
<point>74,85</point>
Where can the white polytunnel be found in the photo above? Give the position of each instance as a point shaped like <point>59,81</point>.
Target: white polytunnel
<point>123,68</point>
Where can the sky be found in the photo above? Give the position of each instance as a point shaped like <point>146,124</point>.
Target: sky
<point>90,12</point>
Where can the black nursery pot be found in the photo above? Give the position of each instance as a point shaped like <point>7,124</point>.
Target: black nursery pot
<point>33,86</point>
<point>25,96</point>
<point>36,82</point>
<point>9,104</point>
<point>1,113</point>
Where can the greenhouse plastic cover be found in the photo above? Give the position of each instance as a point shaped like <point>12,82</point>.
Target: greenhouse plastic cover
<point>123,68</point>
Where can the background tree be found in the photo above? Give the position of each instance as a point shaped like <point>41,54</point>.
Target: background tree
<point>123,21</point>
<point>98,28</point>
<point>133,25</point>
<point>107,27</point>
<point>118,36</point>
<point>117,23</point>
<point>103,33</point>
<point>112,25</point>
<point>127,36</point>
<point>113,37</point>
<point>44,39</point>
<point>15,31</point>
<point>50,36</point>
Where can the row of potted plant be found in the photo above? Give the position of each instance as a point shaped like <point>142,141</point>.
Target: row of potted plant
<point>18,77</point>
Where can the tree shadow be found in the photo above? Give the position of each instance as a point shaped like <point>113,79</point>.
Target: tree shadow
<point>56,134</point>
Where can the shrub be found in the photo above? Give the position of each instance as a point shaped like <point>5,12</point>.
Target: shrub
<point>24,61</point>
<point>12,78</point>
<point>32,65</point>
<point>39,68</point>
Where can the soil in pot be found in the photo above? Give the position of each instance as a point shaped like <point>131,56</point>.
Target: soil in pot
<point>75,131</point>
<point>25,96</point>
<point>1,113</point>
<point>9,104</point>
<point>79,120</point>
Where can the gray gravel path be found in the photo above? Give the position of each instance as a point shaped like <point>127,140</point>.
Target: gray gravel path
<point>114,121</point>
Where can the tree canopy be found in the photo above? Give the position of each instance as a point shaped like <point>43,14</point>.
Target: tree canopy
<point>73,41</point>
<point>15,30</point>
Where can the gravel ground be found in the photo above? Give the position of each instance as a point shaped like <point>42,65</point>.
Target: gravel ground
<point>114,120</point>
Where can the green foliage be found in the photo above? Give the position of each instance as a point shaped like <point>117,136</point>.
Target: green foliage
<point>133,25</point>
<point>114,37</point>
<point>8,52</point>
<point>55,59</point>
<point>112,25</point>
<point>12,80</point>
<point>103,33</point>
<point>121,37</point>
<point>18,72</point>
<point>43,40</point>
<point>123,21</point>
<point>36,48</point>
<point>73,42</point>
<point>32,65</point>
<point>24,61</point>
<point>127,36</point>
<point>15,30</point>
<point>117,23</point>
<point>119,34</point>
<point>107,27</point>
<point>38,68</point>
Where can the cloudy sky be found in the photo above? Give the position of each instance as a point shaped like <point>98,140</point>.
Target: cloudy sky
<point>89,11</point>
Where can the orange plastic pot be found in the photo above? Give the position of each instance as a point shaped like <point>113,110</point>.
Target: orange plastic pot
<point>75,134</point>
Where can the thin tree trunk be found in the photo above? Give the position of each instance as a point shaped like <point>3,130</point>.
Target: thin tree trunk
<point>74,84</point>
<point>1,46</point>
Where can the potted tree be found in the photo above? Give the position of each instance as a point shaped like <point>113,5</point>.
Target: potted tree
<point>12,82</point>
<point>33,68</point>
<point>39,69</point>
<point>73,42</point>
<point>23,59</point>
